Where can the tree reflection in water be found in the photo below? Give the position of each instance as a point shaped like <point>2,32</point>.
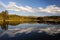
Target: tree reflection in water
<point>4,26</point>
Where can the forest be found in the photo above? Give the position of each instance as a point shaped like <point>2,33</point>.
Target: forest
<point>6,17</point>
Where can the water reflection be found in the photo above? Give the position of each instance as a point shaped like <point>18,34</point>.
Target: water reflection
<point>29,30</point>
<point>5,25</point>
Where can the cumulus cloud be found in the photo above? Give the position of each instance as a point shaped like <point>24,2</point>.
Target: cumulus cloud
<point>53,9</point>
<point>19,8</point>
<point>12,6</point>
<point>49,9</point>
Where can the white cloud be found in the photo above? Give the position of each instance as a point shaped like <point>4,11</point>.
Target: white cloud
<point>52,9</point>
<point>2,5</point>
<point>12,6</point>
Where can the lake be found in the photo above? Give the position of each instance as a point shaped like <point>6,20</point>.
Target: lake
<point>29,31</point>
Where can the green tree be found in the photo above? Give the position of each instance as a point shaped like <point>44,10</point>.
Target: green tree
<point>4,15</point>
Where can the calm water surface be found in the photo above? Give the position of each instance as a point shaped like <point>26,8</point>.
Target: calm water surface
<point>7,31</point>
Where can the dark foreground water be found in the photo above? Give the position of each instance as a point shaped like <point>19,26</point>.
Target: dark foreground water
<point>30,31</point>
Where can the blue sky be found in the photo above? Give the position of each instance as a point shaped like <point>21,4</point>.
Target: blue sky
<point>34,3</point>
<point>31,7</point>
